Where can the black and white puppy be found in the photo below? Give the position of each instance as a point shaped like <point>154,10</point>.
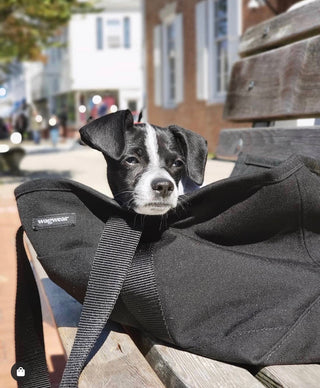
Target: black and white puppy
<point>148,167</point>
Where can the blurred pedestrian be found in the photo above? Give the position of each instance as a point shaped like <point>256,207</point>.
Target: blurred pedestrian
<point>36,124</point>
<point>10,123</point>
<point>63,121</point>
<point>102,109</point>
<point>4,133</point>
<point>54,130</point>
<point>22,121</point>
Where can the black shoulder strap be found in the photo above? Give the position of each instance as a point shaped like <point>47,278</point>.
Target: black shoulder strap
<point>112,260</point>
<point>28,324</point>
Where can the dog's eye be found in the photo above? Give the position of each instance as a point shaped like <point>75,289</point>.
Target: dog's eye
<point>177,163</point>
<point>131,160</point>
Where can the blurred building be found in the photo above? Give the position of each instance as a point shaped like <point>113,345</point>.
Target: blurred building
<point>191,46</point>
<point>14,87</point>
<point>97,69</point>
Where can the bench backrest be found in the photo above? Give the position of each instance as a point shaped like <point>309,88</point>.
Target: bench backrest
<point>278,76</point>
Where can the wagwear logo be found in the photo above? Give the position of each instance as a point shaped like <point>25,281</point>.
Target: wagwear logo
<point>54,220</point>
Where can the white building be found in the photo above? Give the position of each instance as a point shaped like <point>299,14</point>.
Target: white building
<point>102,57</point>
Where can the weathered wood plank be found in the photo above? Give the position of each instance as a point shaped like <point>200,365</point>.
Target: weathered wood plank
<point>177,368</point>
<point>283,29</point>
<point>290,376</point>
<point>117,362</point>
<point>278,143</point>
<point>280,84</point>
<point>275,142</point>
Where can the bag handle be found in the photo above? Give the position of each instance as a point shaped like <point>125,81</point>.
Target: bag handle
<point>110,265</point>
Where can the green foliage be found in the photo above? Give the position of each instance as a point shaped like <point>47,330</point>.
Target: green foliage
<point>27,26</point>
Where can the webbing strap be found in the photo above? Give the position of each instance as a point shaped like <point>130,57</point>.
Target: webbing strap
<point>111,263</point>
<point>28,324</point>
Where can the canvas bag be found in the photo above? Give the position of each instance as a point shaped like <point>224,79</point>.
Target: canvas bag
<point>231,274</point>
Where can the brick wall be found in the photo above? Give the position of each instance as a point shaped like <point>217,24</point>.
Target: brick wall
<point>199,116</point>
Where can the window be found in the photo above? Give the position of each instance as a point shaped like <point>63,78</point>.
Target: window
<point>126,32</point>
<point>217,30</point>
<point>168,62</point>
<point>99,30</point>
<point>157,65</point>
<point>220,41</point>
<point>202,47</point>
<point>170,56</point>
<point>114,33</point>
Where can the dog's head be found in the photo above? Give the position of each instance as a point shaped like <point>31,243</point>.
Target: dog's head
<point>147,165</point>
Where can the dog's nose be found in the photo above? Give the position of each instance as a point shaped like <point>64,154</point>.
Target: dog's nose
<point>162,186</point>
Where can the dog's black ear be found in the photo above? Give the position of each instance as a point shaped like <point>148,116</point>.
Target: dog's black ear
<point>195,150</point>
<point>106,133</point>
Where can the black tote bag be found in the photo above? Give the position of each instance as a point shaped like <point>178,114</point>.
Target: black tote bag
<point>232,273</point>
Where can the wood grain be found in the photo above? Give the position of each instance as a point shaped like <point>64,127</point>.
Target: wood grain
<point>291,376</point>
<point>177,368</point>
<point>282,29</point>
<point>281,84</point>
<point>278,143</point>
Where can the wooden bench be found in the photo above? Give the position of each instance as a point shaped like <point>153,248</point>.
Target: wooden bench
<point>127,358</point>
<point>283,82</point>
<point>276,86</point>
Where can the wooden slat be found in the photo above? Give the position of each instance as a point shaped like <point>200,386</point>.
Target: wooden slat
<point>281,84</point>
<point>291,376</point>
<point>177,368</point>
<point>117,363</point>
<point>274,142</point>
<point>285,28</point>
